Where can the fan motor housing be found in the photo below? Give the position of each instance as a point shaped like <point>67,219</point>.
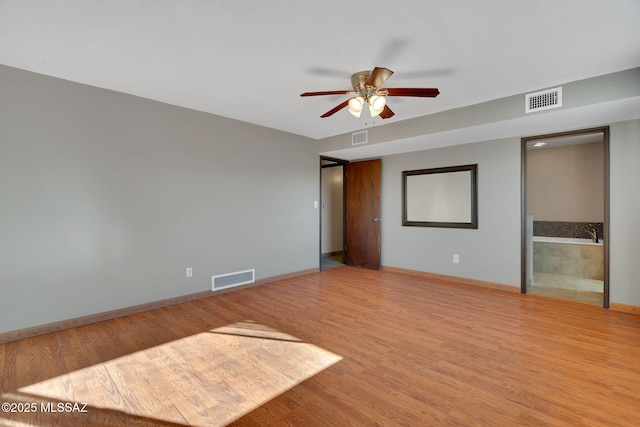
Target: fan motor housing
<point>359,79</point>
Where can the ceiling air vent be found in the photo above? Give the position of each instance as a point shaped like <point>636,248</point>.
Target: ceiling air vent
<point>358,138</point>
<point>543,100</point>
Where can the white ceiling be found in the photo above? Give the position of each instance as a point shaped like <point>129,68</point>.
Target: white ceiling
<point>250,59</point>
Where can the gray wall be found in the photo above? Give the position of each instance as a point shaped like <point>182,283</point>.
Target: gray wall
<point>106,198</point>
<point>490,253</point>
<point>624,152</point>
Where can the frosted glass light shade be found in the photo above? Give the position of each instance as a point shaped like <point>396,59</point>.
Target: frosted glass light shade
<point>355,105</point>
<point>376,105</point>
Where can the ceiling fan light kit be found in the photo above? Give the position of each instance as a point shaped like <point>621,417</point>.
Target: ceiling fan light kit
<point>366,88</point>
<point>356,104</point>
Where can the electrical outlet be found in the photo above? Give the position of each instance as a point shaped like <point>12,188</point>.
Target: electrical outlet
<point>456,258</point>
<point>189,272</point>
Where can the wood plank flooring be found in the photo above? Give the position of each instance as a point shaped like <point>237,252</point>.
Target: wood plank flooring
<point>343,347</point>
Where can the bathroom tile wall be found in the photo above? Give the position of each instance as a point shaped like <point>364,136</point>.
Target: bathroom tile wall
<point>567,229</point>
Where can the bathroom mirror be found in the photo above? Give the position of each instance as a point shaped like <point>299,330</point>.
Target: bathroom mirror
<point>441,197</point>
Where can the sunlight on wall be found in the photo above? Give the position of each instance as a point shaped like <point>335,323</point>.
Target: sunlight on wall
<point>210,378</point>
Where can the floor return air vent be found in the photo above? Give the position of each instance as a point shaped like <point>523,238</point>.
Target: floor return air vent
<point>229,280</point>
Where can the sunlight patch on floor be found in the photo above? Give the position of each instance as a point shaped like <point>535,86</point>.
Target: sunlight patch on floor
<point>210,378</point>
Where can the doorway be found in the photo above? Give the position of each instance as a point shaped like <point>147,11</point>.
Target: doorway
<point>565,215</point>
<point>332,212</point>
<point>350,233</point>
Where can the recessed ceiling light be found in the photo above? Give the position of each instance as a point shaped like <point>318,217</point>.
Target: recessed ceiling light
<point>539,144</point>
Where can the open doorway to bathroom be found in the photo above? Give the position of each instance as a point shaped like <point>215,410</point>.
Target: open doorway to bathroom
<point>565,215</point>
<point>332,212</point>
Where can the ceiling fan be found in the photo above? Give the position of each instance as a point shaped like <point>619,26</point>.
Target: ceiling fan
<point>366,88</point>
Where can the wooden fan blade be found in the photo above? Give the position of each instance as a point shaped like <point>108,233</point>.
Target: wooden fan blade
<point>335,109</point>
<point>330,92</point>
<point>421,92</point>
<point>386,112</point>
<point>378,76</point>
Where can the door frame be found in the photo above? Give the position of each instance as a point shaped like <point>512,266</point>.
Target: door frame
<point>334,163</point>
<point>523,204</point>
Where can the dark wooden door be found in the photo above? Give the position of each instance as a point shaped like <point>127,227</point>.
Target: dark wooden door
<point>362,206</point>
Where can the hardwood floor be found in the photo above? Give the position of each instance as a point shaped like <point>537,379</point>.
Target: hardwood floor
<point>344,346</point>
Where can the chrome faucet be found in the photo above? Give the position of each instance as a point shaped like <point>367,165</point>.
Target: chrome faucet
<point>594,235</point>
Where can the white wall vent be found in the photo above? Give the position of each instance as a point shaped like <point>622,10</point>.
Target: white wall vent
<point>358,138</point>
<point>229,280</point>
<point>543,100</point>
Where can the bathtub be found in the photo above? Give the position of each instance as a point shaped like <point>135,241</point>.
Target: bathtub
<point>573,240</point>
<point>568,256</point>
